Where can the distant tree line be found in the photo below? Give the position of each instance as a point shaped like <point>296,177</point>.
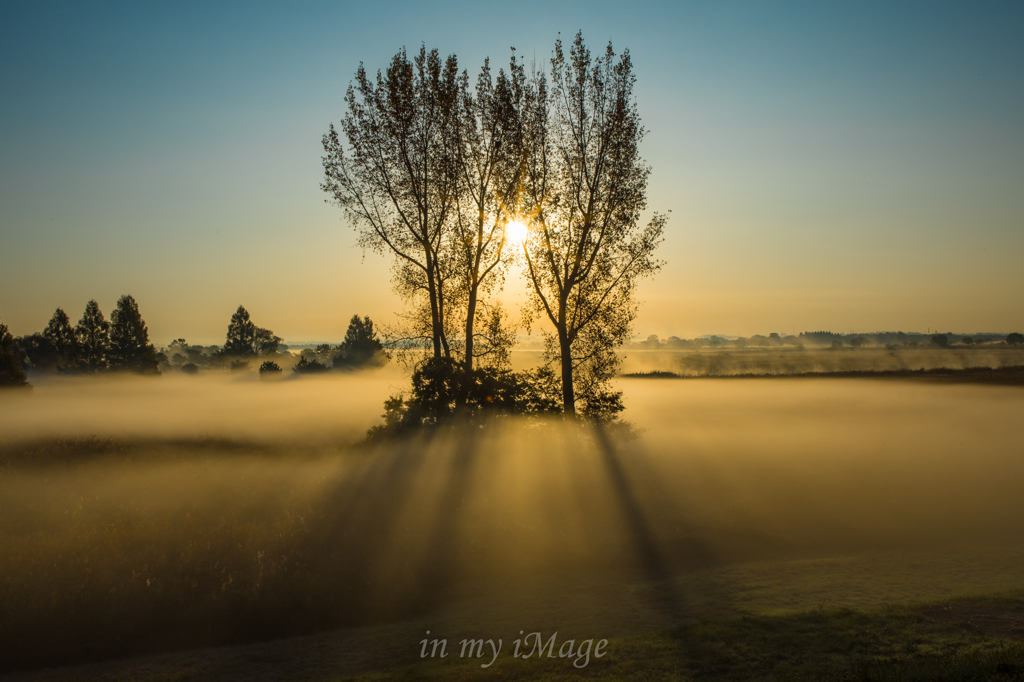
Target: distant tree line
<point>824,339</point>
<point>93,345</point>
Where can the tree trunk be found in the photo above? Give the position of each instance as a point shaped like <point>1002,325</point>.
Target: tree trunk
<point>434,313</point>
<point>568,391</point>
<point>470,320</point>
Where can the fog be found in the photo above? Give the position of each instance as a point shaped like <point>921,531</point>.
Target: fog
<point>761,361</point>
<point>211,509</point>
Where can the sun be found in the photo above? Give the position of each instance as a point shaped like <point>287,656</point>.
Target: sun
<point>515,232</point>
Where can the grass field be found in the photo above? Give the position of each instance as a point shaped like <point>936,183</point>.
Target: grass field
<point>748,516</point>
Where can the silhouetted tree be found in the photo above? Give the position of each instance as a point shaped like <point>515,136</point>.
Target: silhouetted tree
<point>1015,339</point>
<point>858,341</point>
<point>967,341</point>
<point>241,336</point>
<point>585,186</point>
<point>62,336</point>
<point>37,353</point>
<point>940,340</point>
<point>360,347</point>
<point>488,143</point>
<point>93,333</point>
<point>11,373</point>
<point>269,368</point>
<point>307,366</point>
<point>130,348</point>
<point>442,393</point>
<point>398,186</point>
<point>245,339</point>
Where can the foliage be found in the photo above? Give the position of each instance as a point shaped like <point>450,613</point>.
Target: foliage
<point>361,346</point>
<point>245,339</point>
<point>585,187</point>
<point>11,373</point>
<point>130,348</point>
<point>307,366</point>
<point>397,185</point>
<point>60,333</point>
<point>270,368</point>
<point>487,139</point>
<point>1015,339</point>
<point>93,333</point>
<point>940,340</point>
<point>442,393</point>
<point>37,352</point>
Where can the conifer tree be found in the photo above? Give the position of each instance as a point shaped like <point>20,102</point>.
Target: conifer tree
<point>11,373</point>
<point>93,333</point>
<point>60,333</point>
<point>130,348</point>
<point>245,339</point>
<point>241,334</point>
<point>361,345</point>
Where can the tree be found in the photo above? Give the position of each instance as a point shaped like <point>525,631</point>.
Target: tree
<point>241,336</point>
<point>245,339</point>
<point>62,336</point>
<point>585,187</point>
<point>488,141</point>
<point>858,341</point>
<point>967,341</point>
<point>11,373</point>
<point>270,369</point>
<point>1015,339</point>
<point>940,340</point>
<point>307,366</point>
<point>361,346</point>
<point>398,186</point>
<point>93,333</point>
<point>130,348</point>
<point>38,351</point>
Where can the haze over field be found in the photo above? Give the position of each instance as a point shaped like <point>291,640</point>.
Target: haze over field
<point>263,528</point>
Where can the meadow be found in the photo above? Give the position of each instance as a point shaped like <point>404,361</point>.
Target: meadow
<point>216,526</point>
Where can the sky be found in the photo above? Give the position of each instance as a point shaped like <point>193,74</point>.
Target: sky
<point>841,166</point>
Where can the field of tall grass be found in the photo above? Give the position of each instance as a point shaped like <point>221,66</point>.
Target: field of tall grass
<point>150,516</point>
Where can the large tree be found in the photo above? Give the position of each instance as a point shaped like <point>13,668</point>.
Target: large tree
<point>488,143</point>
<point>93,333</point>
<point>397,181</point>
<point>585,188</point>
<point>60,333</point>
<point>130,348</point>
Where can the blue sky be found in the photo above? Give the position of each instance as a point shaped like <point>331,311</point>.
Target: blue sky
<point>844,166</point>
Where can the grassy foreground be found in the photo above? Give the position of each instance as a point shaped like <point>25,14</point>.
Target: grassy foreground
<point>971,639</point>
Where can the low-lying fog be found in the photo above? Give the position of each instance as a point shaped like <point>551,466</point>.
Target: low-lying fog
<point>213,509</point>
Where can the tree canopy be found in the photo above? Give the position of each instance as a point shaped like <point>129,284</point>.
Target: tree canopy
<point>130,349</point>
<point>245,339</point>
<point>93,333</point>
<point>585,187</point>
